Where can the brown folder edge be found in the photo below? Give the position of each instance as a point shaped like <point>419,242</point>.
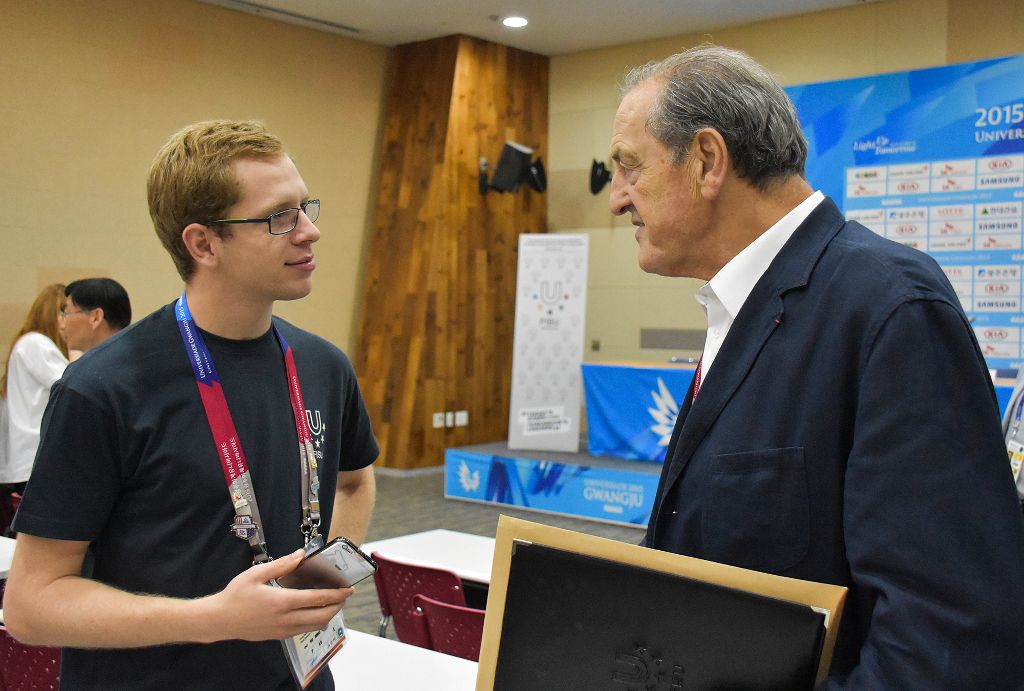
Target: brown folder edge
<point>820,595</point>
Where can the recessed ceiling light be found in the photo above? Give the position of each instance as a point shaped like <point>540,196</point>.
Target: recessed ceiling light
<point>514,22</point>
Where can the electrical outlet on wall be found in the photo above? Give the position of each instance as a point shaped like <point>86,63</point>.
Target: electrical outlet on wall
<point>438,420</point>
<point>461,418</point>
<point>449,419</point>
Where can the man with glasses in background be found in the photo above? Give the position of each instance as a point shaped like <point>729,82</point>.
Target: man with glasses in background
<point>195,456</point>
<point>94,309</point>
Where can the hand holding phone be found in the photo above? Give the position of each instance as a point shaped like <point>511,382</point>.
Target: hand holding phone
<point>338,564</point>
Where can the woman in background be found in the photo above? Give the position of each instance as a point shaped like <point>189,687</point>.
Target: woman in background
<point>36,360</point>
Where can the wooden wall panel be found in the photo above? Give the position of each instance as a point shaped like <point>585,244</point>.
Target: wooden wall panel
<point>437,316</point>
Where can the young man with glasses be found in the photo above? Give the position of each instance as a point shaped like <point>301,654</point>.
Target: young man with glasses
<point>94,309</point>
<point>208,421</point>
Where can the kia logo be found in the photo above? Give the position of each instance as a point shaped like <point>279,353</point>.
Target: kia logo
<point>1000,164</point>
<point>996,288</point>
<point>909,186</point>
<point>996,334</point>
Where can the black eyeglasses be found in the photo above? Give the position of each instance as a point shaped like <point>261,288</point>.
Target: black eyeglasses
<point>281,222</point>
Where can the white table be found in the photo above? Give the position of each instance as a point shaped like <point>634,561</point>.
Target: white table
<point>6,554</point>
<point>468,556</point>
<point>371,662</point>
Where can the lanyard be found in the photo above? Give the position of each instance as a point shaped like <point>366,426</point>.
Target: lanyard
<point>247,524</point>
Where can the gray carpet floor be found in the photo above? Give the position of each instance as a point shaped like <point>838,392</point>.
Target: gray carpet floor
<point>412,503</point>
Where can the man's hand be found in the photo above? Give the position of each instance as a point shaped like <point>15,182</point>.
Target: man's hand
<point>252,609</point>
<point>48,603</point>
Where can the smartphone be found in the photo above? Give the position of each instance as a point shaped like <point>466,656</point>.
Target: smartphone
<point>338,564</point>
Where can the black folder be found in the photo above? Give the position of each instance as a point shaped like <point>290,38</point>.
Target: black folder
<point>573,621</point>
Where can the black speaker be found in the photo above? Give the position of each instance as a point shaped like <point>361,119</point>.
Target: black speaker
<point>599,177</point>
<point>513,167</point>
<point>536,178</point>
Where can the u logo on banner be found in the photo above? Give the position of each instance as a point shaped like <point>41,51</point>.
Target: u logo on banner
<point>550,292</point>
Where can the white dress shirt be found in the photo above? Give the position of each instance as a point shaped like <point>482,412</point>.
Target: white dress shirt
<point>723,296</point>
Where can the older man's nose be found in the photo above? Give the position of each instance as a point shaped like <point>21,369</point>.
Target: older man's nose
<point>618,199</point>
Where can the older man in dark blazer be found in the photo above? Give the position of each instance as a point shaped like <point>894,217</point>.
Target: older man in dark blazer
<point>842,426</point>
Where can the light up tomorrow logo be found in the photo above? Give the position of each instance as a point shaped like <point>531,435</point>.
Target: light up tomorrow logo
<point>665,414</point>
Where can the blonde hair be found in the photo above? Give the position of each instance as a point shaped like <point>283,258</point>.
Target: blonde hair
<point>192,180</point>
<point>41,317</point>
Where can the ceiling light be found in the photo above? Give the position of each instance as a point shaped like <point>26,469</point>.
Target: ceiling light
<point>514,22</point>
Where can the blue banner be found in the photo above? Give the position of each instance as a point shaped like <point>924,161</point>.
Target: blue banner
<point>934,159</point>
<point>631,410</point>
<point>607,494</point>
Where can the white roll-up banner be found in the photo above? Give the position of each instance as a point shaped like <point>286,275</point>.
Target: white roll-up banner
<point>551,288</point>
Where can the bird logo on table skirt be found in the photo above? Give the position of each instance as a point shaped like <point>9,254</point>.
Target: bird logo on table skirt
<point>470,480</point>
<point>664,414</point>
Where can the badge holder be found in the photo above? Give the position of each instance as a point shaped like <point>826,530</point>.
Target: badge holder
<point>308,653</point>
<point>1015,450</point>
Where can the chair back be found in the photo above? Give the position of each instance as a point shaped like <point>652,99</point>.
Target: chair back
<point>397,583</point>
<point>27,667</point>
<point>8,507</point>
<point>453,630</point>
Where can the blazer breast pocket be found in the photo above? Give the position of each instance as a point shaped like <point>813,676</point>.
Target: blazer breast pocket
<point>756,513</point>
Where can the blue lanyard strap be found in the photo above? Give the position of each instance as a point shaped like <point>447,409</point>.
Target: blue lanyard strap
<point>247,524</point>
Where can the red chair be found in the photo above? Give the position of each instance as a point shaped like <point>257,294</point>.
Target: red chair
<point>397,583</point>
<point>27,667</point>
<point>6,517</point>
<point>453,630</point>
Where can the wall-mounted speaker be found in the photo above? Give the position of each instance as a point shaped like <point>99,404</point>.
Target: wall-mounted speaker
<point>599,177</point>
<point>514,168</point>
<point>537,179</point>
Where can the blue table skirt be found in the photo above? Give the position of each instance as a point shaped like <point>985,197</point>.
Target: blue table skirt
<point>631,409</point>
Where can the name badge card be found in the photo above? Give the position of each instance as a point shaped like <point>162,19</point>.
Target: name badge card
<point>307,653</point>
<point>1015,450</point>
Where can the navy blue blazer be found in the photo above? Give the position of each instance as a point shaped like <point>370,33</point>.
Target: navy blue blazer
<point>848,433</point>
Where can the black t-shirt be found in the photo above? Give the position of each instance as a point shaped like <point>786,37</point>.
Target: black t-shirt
<point>127,461</point>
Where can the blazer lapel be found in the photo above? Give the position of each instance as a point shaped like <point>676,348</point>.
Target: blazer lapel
<point>669,455</point>
<point>731,365</point>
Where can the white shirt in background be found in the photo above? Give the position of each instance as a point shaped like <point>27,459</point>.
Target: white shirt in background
<point>35,364</point>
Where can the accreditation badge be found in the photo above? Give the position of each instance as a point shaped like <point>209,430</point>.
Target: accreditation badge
<point>1015,450</point>
<point>309,653</point>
